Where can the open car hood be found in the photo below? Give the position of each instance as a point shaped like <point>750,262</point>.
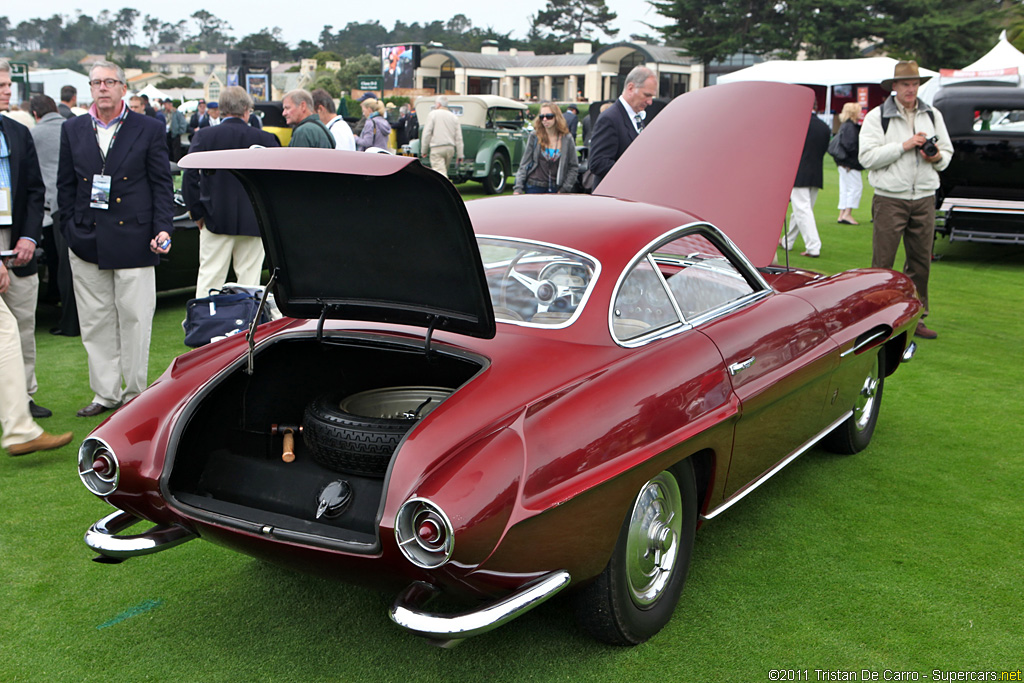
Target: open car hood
<point>727,154</point>
<point>361,236</point>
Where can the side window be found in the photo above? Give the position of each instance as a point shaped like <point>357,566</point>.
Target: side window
<point>699,275</point>
<point>642,304</point>
<point>999,121</point>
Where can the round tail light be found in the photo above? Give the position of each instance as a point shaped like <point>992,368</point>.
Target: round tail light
<point>98,467</point>
<point>424,533</point>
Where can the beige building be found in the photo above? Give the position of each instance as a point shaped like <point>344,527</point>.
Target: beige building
<point>198,65</point>
<point>583,75</point>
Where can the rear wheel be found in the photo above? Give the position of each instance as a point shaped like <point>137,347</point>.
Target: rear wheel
<point>854,435</point>
<point>497,174</point>
<point>636,594</point>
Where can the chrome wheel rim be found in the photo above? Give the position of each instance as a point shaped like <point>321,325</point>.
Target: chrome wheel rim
<point>652,544</point>
<point>395,403</point>
<point>497,175</point>
<point>867,398</point>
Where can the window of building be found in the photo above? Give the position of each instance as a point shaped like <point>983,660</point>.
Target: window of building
<point>446,83</point>
<point>673,85</point>
<point>477,85</point>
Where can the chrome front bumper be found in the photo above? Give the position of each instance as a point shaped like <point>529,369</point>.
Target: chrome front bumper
<point>104,538</point>
<point>448,630</point>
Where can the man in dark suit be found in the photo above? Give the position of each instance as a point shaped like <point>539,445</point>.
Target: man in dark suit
<point>809,179</point>
<point>618,126</point>
<point>114,193</point>
<point>68,100</point>
<point>572,119</point>
<point>22,198</point>
<point>220,207</point>
<point>198,120</point>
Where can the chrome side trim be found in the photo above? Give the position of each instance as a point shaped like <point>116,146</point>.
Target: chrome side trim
<point>743,492</point>
<point>407,610</point>
<point>103,536</point>
<point>981,205</point>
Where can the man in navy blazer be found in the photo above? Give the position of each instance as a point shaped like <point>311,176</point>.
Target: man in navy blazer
<point>21,220</point>
<point>619,124</point>
<point>219,205</point>
<point>115,197</point>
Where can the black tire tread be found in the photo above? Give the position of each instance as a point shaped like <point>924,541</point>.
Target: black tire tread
<point>608,616</point>
<point>348,443</point>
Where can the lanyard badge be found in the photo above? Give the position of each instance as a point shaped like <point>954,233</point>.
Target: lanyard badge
<point>99,194</point>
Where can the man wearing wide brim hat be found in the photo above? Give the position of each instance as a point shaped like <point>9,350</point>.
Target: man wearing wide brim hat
<point>904,145</point>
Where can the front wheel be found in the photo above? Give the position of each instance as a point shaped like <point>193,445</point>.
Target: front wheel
<point>855,433</point>
<point>497,175</point>
<point>636,594</point>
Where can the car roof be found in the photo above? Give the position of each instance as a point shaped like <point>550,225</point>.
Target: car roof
<point>609,229</point>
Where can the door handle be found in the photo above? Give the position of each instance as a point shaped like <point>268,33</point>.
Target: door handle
<point>736,368</point>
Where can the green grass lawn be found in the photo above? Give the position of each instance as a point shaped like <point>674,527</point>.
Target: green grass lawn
<point>905,557</point>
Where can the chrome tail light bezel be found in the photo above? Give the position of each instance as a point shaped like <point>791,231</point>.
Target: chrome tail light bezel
<point>100,483</point>
<point>417,513</point>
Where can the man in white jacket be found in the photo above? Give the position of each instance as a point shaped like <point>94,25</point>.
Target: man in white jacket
<point>904,145</point>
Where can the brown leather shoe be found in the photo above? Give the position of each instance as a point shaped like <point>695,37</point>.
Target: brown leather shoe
<point>43,442</point>
<point>924,333</point>
<point>92,410</point>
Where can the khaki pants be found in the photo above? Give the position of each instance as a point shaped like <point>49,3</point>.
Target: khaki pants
<point>913,221</point>
<point>115,312</point>
<point>440,157</point>
<point>217,252</point>
<point>21,298</point>
<point>15,420</point>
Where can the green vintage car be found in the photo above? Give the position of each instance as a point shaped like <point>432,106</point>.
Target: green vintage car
<point>494,135</point>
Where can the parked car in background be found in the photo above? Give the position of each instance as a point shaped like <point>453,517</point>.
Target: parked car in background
<point>494,134</point>
<point>504,399</point>
<point>272,117</point>
<point>981,197</point>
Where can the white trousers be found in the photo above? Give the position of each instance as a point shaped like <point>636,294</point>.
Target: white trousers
<point>802,220</point>
<point>851,186</point>
<point>15,421</point>
<point>115,312</point>
<point>217,252</point>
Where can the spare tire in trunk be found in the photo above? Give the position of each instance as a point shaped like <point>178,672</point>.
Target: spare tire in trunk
<point>358,434</point>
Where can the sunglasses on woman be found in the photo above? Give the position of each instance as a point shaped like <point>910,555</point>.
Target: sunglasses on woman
<point>546,117</point>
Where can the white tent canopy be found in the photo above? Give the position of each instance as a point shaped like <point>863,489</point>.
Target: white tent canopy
<point>152,92</point>
<point>827,72</point>
<point>1001,56</point>
<point>55,79</point>
<point>1002,65</point>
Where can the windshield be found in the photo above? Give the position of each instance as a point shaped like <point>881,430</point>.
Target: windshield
<point>536,284</point>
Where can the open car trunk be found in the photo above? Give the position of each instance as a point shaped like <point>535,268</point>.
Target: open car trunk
<point>227,465</point>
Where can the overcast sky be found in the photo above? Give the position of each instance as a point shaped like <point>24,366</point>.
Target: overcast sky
<point>304,22</point>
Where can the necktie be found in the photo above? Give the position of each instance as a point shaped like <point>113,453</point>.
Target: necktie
<point>639,122</point>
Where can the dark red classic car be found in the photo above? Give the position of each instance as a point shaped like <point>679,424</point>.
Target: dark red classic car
<point>556,400</point>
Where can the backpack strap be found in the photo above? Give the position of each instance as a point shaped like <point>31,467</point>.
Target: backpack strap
<point>885,120</point>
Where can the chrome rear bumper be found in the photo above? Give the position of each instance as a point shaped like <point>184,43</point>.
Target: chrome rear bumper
<point>103,537</point>
<point>449,629</point>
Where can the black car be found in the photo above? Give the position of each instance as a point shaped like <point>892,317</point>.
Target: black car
<point>981,197</point>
